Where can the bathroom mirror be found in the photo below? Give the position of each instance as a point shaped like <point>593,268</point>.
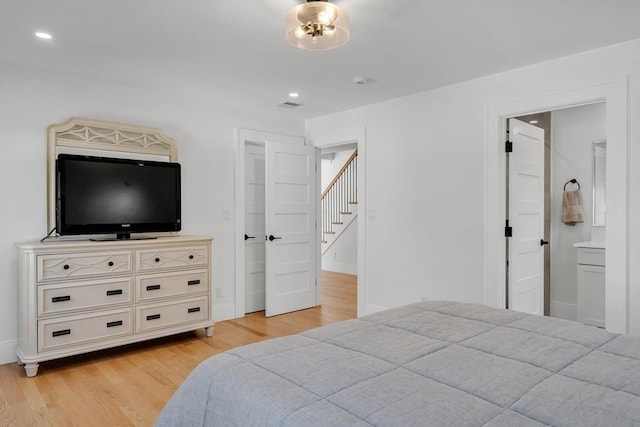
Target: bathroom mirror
<point>599,182</point>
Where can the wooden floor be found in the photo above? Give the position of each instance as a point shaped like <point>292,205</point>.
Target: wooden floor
<point>130,385</point>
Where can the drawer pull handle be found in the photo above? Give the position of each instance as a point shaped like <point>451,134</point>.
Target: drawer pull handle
<point>114,292</point>
<point>190,256</point>
<point>61,332</point>
<point>153,287</point>
<point>193,282</point>
<point>110,263</point>
<point>61,299</point>
<point>116,323</point>
<point>153,316</point>
<point>66,266</point>
<point>193,310</point>
<point>157,260</point>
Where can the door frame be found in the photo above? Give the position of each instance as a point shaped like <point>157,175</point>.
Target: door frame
<point>357,136</point>
<point>242,136</point>
<point>615,94</point>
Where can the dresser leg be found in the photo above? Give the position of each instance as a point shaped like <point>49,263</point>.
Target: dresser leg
<point>31,369</point>
<point>209,331</point>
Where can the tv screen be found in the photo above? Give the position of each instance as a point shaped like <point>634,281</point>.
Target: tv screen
<point>100,195</point>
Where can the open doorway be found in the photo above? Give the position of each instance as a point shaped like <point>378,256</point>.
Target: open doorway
<point>568,170</point>
<point>617,313</point>
<point>355,138</point>
<point>339,208</point>
<point>339,219</point>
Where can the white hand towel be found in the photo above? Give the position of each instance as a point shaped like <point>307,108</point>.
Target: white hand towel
<point>572,207</point>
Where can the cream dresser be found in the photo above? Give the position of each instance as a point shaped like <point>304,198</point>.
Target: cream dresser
<point>80,296</point>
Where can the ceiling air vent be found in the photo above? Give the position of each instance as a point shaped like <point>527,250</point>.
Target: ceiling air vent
<point>289,104</point>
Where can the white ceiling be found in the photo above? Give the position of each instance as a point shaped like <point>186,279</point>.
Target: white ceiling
<point>234,51</point>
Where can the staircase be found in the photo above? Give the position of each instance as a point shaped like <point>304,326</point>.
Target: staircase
<point>340,202</point>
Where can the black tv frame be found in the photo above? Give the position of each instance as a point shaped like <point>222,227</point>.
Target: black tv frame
<point>122,229</point>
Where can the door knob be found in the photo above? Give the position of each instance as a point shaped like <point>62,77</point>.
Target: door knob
<point>543,242</point>
<point>249,237</point>
<point>272,237</point>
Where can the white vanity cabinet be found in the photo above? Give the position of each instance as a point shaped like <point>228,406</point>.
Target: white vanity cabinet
<point>591,285</point>
<point>80,296</point>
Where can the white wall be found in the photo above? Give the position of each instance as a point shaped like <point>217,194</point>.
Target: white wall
<point>426,154</point>
<point>573,131</point>
<point>32,99</point>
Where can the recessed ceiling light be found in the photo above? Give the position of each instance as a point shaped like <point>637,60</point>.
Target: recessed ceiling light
<point>294,94</point>
<point>42,35</point>
<point>533,122</point>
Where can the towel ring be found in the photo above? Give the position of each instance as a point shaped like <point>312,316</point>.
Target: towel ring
<point>572,181</point>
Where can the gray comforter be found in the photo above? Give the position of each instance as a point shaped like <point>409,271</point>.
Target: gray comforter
<point>436,363</point>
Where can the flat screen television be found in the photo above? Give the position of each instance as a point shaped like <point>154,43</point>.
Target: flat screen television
<point>100,195</point>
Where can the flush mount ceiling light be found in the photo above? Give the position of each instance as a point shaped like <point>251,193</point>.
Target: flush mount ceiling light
<point>317,25</point>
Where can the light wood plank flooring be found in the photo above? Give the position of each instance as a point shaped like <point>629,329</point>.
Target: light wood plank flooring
<point>129,385</point>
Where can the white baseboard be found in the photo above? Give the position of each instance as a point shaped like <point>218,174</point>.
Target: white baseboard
<point>339,267</point>
<point>8,351</point>
<point>563,310</point>
<point>224,312</point>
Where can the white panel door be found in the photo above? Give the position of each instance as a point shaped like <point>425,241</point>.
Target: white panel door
<point>254,228</point>
<point>290,215</point>
<point>526,217</point>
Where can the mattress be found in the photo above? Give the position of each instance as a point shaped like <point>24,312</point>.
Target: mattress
<point>436,363</point>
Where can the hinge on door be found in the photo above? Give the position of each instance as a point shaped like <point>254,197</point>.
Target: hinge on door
<point>508,231</point>
<point>508,147</point>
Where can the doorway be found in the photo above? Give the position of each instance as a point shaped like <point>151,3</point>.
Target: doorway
<point>339,211</point>
<point>277,261</point>
<point>357,138</point>
<point>617,281</point>
<point>568,160</point>
<point>339,217</point>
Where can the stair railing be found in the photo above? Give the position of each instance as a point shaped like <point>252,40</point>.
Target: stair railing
<point>341,192</point>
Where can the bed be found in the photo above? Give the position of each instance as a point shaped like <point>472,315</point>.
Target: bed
<point>436,363</point>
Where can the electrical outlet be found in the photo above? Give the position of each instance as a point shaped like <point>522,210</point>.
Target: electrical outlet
<point>219,293</point>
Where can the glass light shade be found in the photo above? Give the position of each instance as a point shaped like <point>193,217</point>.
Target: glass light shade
<point>317,25</point>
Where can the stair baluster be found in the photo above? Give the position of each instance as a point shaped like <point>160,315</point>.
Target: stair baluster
<point>339,195</point>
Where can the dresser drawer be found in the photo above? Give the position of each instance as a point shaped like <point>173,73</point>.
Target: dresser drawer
<point>148,260</point>
<point>60,298</point>
<point>164,285</point>
<point>74,330</point>
<point>173,313</point>
<point>591,256</point>
<point>78,265</point>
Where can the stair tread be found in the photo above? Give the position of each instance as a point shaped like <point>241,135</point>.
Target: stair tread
<point>345,213</point>
<point>337,222</point>
<point>329,232</point>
